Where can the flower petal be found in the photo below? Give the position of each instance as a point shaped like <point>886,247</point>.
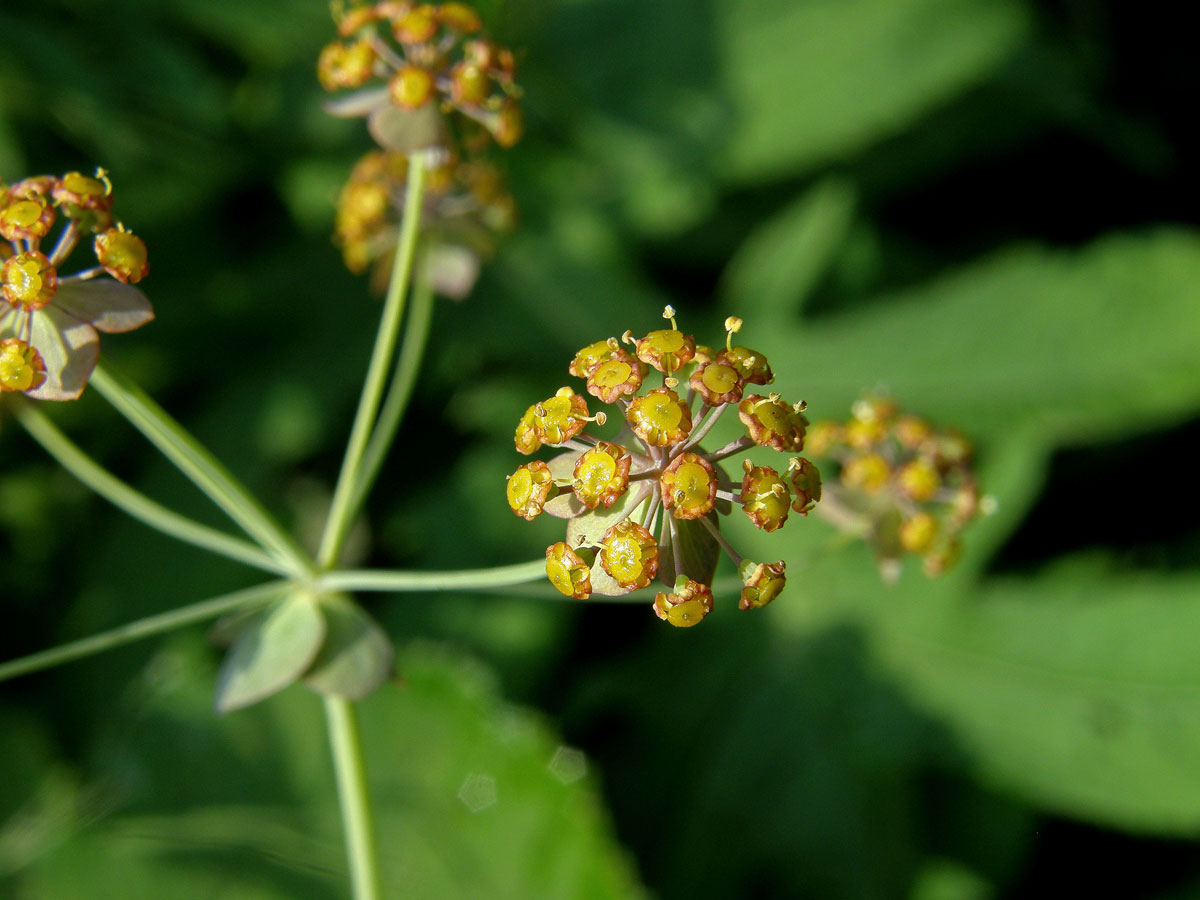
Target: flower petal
<point>69,348</point>
<point>109,305</point>
<point>360,103</point>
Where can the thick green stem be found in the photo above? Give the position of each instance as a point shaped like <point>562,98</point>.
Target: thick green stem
<point>353,797</point>
<point>132,501</point>
<point>404,379</point>
<point>198,464</point>
<point>341,509</point>
<point>135,631</point>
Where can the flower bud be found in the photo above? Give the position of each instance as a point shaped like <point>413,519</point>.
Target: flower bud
<point>763,583</point>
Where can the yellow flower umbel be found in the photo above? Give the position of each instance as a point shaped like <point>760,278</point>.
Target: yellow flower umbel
<point>48,323</point>
<point>904,484</point>
<point>409,64</point>
<point>649,506</point>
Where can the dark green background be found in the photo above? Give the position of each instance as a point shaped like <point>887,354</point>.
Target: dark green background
<point>986,207</point>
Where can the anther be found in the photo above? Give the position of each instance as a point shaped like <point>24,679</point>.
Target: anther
<point>775,398</point>
<point>800,406</point>
<point>613,344</point>
<point>671,382</point>
<point>102,175</point>
<point>627,337</point>
<point>669,313</point>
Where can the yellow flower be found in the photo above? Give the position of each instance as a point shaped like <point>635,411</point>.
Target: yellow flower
<point>602,475</point>
<point>629,553</point>
<point>689,486</point>
<point>568,572</point>
<point>686,605</point>
<point>660,418</point>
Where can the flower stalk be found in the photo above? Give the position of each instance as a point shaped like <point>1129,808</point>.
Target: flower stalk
<point>341,509</point>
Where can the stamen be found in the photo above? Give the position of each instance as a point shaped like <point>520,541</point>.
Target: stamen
<point>669,314</point>
<point>627,337</point>
<point>732,326</point>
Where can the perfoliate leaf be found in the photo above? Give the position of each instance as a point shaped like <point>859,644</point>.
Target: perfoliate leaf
<point>272,651</point>
<point>356,656</point>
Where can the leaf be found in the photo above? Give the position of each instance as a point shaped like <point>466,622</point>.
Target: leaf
<point>1080,689</point>
<point>108,304</point>
<point>1082,343</point>
<point>778,265</point>
<point>405,131</point>
<point>356,656</point>
<point>272,651</point>
<point>472,796</point>
<point>69,348</point>
<point>699,552</point>
<point>566,505</point>
<point>815,81</point>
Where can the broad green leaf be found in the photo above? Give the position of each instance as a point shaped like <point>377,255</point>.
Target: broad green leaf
<point>815,80</point>
<point>273,650</point>
<point>1083,343</point>
<point>356,656</point>
<point>778,265</point>
<point>473,797</point>
<point>1080,690</point>
<point>252,853</point>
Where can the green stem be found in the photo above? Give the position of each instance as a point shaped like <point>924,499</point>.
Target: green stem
<point>132,501</point>
<point>353,797</point>
<point>341,509</point>
<point>198,464</point>
<point>135,631</point>
<point>404,379</point>
<point>465,579</point>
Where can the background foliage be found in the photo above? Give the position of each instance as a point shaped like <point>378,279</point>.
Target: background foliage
<point>985,206</point>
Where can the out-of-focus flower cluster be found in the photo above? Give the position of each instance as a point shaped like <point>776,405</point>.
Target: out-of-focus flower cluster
<point>903,484</point>
<point>466,205</point>
<point>428,82</point>
<point>48,323</point>
<point>411,65</point>
<point>645,505</point>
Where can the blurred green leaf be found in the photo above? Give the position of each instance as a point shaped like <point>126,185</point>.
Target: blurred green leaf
<point>1080,689</point>
<point>778,265</point>
<point>1084,343</point>
<point>356,656</point>
<point>272,650</point>
<point>473,797</point>
<point>815,80</point>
